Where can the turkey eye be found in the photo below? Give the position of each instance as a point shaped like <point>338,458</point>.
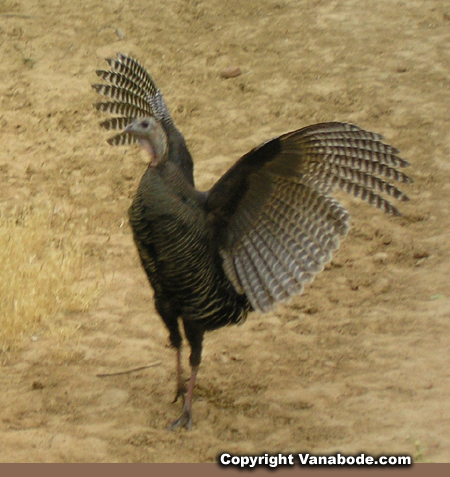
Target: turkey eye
<point>145,124</point>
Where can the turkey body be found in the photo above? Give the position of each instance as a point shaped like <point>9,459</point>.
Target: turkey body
<point>262,232</point>
<point>182,262</point>
<point>178,253</point>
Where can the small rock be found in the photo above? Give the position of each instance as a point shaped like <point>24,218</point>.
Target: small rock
<point>311,310</point>
<point>120,33</point>
<point>382,285</point>
<point>230,72</point>
<point>380,257</point>
<point>37,385</point>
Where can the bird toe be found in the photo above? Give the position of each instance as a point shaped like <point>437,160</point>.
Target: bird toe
<point>185,420</point>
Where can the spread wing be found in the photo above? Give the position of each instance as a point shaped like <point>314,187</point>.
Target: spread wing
<point>273,214</point>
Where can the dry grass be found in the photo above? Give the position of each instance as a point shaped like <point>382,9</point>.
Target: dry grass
<point>8,6</point>
<point>42,277</point>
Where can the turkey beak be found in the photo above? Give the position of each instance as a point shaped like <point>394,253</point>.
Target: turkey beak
<point>130,129</point>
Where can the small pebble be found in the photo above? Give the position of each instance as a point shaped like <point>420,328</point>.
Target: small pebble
<point>231,72</point>
<point>120,33</point>
<point>380,257</point>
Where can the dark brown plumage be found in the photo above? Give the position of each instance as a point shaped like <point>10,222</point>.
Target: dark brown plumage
<point>265,229</point>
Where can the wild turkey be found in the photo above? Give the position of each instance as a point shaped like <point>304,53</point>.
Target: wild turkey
<point>265,229</point>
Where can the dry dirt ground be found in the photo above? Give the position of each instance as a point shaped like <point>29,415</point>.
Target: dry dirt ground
<point>360,362</point>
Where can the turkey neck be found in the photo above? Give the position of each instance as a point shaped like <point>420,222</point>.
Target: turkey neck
<point>165,190</point>
<point>178,153</point>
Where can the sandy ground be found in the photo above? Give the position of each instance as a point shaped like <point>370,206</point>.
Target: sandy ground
<point>360,362</point>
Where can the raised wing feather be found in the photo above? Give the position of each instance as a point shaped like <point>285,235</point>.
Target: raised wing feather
<point>134,94</point>
<point>272,212</point>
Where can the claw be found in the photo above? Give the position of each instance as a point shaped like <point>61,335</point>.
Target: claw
<point>185,420</point>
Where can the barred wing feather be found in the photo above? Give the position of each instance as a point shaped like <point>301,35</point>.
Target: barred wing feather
<point>134,95</point>
<point>273,214</point>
